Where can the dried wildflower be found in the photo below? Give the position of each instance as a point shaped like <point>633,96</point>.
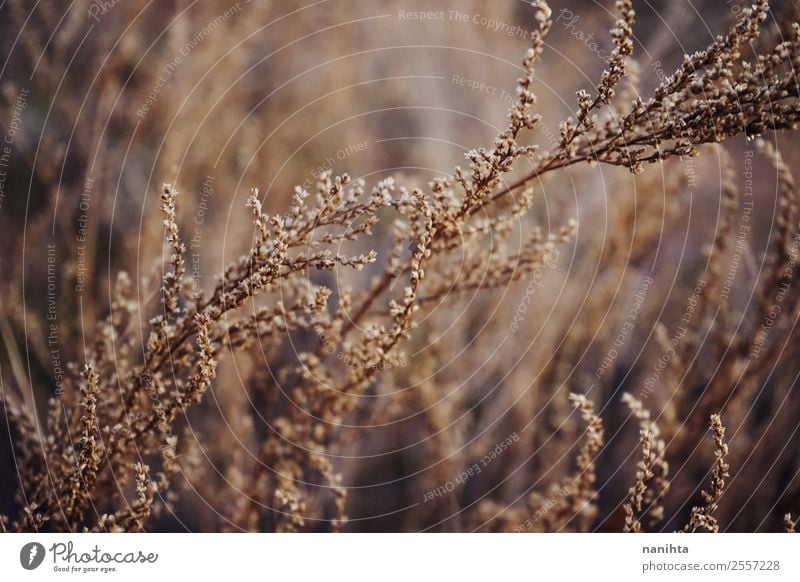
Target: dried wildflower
<point>703,517</point>
<point>789,525</point>
<point>315,348</point>
<point>651,483</point>
<point>173,279</point>
<point>715,94</point>
<point>89,458</point>
<point>580,489</point>
<point>135,518</point>
<point>583,487</point>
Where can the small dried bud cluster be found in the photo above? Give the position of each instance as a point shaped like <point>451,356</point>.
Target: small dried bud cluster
<point>315,342</point>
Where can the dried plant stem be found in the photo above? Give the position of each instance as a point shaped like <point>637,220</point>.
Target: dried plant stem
<point>703,517</point>
<point>652,471</point>
<point>789,525</point>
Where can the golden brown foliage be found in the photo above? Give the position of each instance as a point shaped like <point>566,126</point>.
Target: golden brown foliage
<point>321,352</point>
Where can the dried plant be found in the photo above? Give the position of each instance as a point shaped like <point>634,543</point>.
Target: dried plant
<point>321,351</point>
<point>790,526</point>
<point>652,482</point>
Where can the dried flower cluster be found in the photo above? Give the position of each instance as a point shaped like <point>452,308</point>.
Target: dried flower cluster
<point>121,447</point>
<point>703,517</point>
<point>652,472</point>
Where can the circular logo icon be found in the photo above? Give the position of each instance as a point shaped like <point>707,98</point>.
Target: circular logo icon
<point>31,555</point>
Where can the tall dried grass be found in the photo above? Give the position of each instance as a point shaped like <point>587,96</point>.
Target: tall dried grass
<point>436,390</point>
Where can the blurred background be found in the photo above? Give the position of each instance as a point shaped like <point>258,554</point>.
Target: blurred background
<point>103,101</point>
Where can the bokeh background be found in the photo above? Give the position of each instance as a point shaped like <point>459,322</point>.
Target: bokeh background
<point>104,101</point>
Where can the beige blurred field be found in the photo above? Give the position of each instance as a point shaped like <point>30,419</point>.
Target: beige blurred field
<point>662,284</point>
